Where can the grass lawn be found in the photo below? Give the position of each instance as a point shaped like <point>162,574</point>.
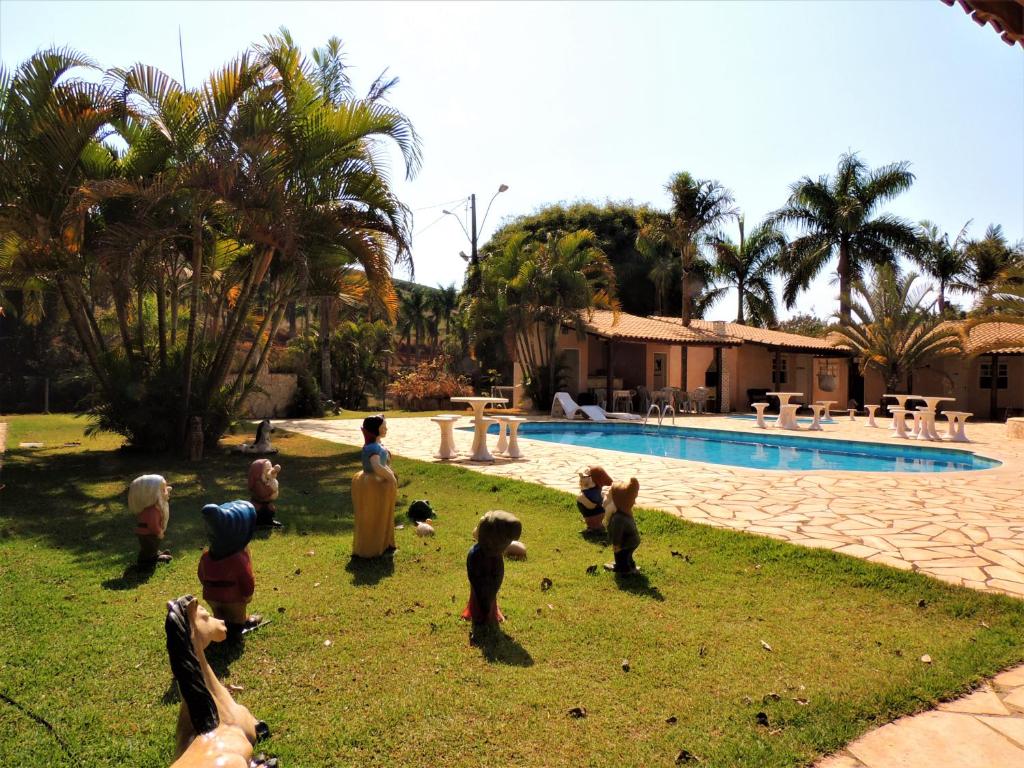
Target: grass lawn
<point>82,640</point>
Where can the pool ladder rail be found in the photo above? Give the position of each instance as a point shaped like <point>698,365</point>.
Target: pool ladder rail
<point>662,411</point>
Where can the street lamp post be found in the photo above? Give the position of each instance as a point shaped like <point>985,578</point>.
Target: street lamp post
<point>474,255</point>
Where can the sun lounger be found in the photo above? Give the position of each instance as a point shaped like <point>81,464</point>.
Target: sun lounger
<point>597,413</point>
<point>564,407</point>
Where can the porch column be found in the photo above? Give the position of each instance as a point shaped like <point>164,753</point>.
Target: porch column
<point>777,372</point>
<point>719,394</point>
<point>993,396</point>
<point>609,383</point>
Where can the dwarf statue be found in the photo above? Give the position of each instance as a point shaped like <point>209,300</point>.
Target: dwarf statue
<point>485,566</point>
<point>225,567</point>
<point>264,487</point>
<point>589,502</point>
<point>622,530</point>
<point>149,500</point>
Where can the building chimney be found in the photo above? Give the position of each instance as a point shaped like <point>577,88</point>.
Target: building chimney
<point>719,327</point>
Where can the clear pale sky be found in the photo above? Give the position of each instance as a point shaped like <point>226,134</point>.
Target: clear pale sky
<point>596,101</point>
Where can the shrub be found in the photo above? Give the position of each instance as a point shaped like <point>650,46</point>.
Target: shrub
<point>428,385</point>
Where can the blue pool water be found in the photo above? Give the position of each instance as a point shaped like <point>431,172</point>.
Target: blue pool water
<point>756,451</point>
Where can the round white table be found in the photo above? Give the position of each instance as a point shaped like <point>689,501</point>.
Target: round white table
<point>828,407</point>
<point>787,416</point>
<point>901,402</point>
<point>480,422</point>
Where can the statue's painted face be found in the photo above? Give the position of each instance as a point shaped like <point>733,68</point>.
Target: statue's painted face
<point>383,429</point>
<point>165,492</point>
<point>205,628</point>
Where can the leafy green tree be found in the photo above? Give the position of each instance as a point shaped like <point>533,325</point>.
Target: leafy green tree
<point>945,262</point>
<point>989,258</point>
<point>894,330</point>
<point>699,208</point>
<point>836,218</point>
<point>244,188</point>
<point>749,267</point>
<point>530,290</point>
<point>615,225</point>
<point>805,324</point>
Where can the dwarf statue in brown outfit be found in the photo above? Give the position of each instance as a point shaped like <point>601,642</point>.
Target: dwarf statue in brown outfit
<point>622,530</point>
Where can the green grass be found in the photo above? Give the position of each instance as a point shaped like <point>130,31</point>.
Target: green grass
<point>82,641</point>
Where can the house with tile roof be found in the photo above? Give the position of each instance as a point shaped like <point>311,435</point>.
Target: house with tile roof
<point>618,352</point>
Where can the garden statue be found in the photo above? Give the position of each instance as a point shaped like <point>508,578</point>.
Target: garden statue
<point>195,439</point>
<point>420,511</point>
<point>149,500</point>
<point>262,445</point>
<point>622,530</point>
<point>485,567</point>
<point>424,529</point>
<point>516,551</point>
<point>264,487</point>
<point>589,502</point>
<point>213,730</point>
<point>374,490</point>
<point>225,567</point>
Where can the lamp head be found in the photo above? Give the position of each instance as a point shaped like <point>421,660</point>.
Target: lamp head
<point>503,188</point>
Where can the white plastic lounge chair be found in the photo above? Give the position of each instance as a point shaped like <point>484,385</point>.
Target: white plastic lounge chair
<point>597,413</point>
<point>563,406</point>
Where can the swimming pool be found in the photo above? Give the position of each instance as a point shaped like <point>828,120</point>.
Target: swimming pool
<point>756,451</point>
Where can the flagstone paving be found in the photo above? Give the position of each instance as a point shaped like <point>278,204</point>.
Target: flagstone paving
<point>966,528</point>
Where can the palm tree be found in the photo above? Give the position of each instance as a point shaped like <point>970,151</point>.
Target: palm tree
<point>895,330</point>
<point>944,261</point>
<point>989,258</point>
<point>415,309</point>
<point>443,302</point>
<point>699,207</point>
<point>1005,302</point>
<point>749,268</point>
<point>836,219</point>
<point>531,290</point>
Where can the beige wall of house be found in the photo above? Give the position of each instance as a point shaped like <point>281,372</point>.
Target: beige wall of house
<point>960,378</point>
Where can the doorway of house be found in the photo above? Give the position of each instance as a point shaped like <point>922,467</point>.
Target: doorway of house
<point>855,384</point>
<point>659,381</point>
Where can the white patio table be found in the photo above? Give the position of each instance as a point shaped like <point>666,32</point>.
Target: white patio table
<point>480,452</point>
<point>787,416</point>
<point>901,402</point>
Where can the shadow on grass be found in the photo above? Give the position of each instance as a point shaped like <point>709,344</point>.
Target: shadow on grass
<point>369,571</point>
<point>221,655</point>
<point>135,575</point>
<point>500,648</point>
<point>592,536</point>
<point>638,584</point>
<point>86,492</point>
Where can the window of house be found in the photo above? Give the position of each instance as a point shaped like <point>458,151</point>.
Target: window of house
<point>985,376</point>
<point>779,370</point>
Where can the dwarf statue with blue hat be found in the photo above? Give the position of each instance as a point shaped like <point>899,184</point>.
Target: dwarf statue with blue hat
<point>225,568</point>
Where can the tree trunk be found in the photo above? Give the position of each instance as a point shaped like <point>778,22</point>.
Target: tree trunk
<point>161,317</point>
<point>685,287</point>
<point>844,282</point>
<point>190,338</point>
<point>739,303</point>
<point>942,297</point>
<point>291,319</point>
<point>325,347</point>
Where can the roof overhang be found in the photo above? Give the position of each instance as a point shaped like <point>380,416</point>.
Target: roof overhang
<point>1005,16</point>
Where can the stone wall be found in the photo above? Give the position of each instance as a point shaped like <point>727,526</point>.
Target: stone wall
<point>272,398</point>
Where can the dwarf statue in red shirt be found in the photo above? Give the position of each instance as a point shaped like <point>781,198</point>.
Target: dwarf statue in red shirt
<point>149,500</point>
<point>225,567</point>
<point>264,487</point>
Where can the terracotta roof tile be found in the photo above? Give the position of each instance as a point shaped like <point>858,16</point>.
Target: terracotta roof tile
<point>764,336</point>
<point>1000,338</point>
<point>635,328</point>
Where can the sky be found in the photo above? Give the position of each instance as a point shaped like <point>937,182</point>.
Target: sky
<point>605,101</point>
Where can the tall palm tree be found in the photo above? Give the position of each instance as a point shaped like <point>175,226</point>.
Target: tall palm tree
<point>749,268</point>
<point>444,301</point>
<point>699,207</point>
<point>946,262</point>
<point>415,307</point>
<point>894,330</point>
<point>836,218</point>
<point>989,258</point>
<point>1005,302</point>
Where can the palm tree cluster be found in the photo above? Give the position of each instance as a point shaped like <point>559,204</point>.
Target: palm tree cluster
<point>530,290</point>
<point>430,317</point>
<point>178,224</point>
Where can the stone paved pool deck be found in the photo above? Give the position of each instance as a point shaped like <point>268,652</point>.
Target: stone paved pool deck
<point>965,528</point>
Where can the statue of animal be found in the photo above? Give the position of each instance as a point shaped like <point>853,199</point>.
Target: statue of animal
<point>262,445</point>
<point>213,729</point>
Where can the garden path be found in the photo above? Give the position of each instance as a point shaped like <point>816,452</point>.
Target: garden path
<point>966,528</point>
